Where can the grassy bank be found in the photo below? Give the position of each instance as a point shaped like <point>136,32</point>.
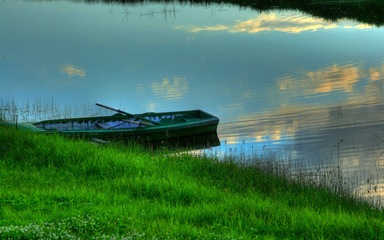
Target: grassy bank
<point>56,188</point>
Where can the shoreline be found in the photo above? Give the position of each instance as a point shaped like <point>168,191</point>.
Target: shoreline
<point>84,190</point>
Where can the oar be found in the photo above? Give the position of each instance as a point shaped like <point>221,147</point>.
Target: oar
<point>116,110</point>
<point>130,115</point>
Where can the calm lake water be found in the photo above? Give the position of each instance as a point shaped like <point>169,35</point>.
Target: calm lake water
<point>281,82</point>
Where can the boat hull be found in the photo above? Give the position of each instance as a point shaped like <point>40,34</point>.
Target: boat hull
<point>140,127</point>
<point>145,134</point>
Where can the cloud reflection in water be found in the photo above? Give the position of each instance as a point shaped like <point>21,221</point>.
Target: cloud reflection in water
<point>290,23</point>
<point>302,124</point>
<point>170,88</point>
<point>72,71</point>
<point>325,80</point>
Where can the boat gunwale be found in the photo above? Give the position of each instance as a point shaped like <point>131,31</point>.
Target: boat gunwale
<point>205,120</point>
<point>139,130</point>
<point>119,116</point>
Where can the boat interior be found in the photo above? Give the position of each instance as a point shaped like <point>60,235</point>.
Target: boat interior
<point>120,121</point>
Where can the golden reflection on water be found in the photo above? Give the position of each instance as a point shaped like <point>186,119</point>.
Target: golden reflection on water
<point>325,80</point>
<point>291,23</point>
<point>343,78</point>
<point>376,74</point>
<point>167,88</point>
<point>268,126</point>
<point>361,105</point>
<point>275,22</point>
<point>374,193</point>
<point>170,88</point>
<point>350,136</point>
<point>72,71</point>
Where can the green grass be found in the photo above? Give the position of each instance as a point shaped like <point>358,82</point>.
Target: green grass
<point>55,188</point>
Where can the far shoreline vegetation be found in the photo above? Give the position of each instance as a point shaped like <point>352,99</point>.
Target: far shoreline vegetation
<point>364,11</point>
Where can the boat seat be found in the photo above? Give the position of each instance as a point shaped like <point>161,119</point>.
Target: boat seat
<point>124,124</point>
<point>101,125</point>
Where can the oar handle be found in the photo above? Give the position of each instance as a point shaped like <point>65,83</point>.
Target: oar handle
<point>113,109</point>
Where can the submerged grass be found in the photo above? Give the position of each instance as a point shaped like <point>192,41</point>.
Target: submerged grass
<point>55,188</point>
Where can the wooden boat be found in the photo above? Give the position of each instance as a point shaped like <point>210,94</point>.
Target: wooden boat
<point>146,127</point>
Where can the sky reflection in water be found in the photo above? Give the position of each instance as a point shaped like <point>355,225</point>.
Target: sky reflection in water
<point>278,80</point>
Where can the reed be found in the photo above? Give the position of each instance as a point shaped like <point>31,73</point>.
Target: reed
<point>38,110</point>
<point>70,189</point>
<point>328,172</point>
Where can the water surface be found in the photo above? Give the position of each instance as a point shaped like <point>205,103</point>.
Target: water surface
<point>308,89</point>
